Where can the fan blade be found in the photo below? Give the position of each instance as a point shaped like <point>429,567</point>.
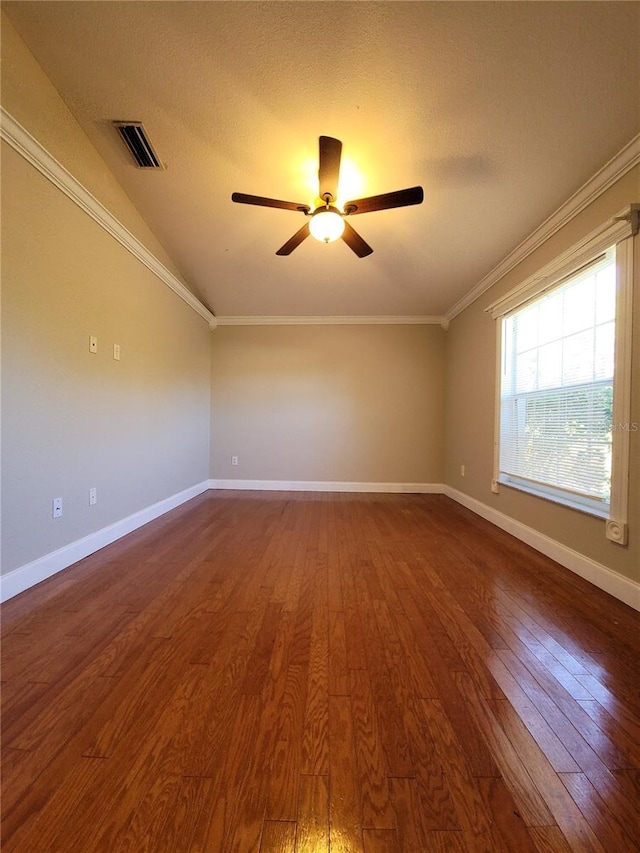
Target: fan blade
<point>399,198</point>
<point>241,198</point>
<point>329,171</point>
<point>355,242</point>
<point>295,241</point>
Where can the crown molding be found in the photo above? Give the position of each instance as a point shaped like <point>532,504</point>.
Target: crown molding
<point>611,232</point>
<point>12,132</point>
<point>611,172</point>
<point>337,320</point>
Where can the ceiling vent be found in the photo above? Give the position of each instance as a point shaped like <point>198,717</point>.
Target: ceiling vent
<point>135,138</point>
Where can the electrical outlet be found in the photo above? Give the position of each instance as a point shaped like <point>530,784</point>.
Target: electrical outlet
<point>56,508</point>
<point>462,470</point>
<point>234,460</point>
<point>93,496</point>
<point>116,352</point>
<point>93,344</point>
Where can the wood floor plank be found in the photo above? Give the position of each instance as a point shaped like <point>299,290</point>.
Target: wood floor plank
<point>278,836</point>
<point>258,663</point>
<point>313,815</point>
<point>565,813</point>
<point>338,664</point>
<point>563,714</point>
<point>529,712</point>
<point>345,823</point>
<point>349,672</point>
<point>184,814</point>
<point>625,742</point>
<point>229,826</point>
<point>549,839</point>
<point>468,735</point>
<point>384,681</point>
<point>473,814</point>
<point>226,671</point>
<point>62,815</point>
<point>380,841</point>
<point>624,715</point>
<point>515,768</point>
<point>505,816</point>
<point>471,646</point>
<point>28,727</point>
<point>373,784</point>
<point>408,649</point>
<point>151,785</point>
<point>599,814</point>
<point>406,805</point>
<point>436,805</point>
<point>17,697</point>
<point>286,766</point>
<point>315,736</point>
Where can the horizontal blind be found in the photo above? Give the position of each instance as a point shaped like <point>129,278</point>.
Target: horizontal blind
<point>557,386</point>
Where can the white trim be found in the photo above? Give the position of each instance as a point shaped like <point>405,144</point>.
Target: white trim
<point>495,483</point>
<point>611,172</point>
<point>32,573</point>
<point>28,147</point>
<point>617,525</point>
<point>336,320</point>
<point>610,233</point>
<point>604,578</point>
<point>327,486</point>
<point>616,232</point>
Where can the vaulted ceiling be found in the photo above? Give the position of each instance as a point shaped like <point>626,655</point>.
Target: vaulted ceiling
<point>500,110</point>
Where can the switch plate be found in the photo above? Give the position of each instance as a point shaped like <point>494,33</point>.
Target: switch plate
<point>93,344</point>
<point>93,496</point>
<point>116,352</point>
<point>56,508</point>
<point>234,460</point>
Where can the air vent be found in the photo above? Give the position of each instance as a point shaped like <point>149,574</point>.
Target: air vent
<point>135,138</point>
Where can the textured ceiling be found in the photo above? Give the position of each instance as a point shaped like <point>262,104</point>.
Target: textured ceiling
<point>500,110</point>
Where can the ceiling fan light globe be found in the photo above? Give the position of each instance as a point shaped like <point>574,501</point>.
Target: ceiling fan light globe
<point>326,226</point>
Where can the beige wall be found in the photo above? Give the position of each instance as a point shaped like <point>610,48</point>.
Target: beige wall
<point>29,96</point>
<point>470,399</point>
<point>137,429</point>
<point>332,403</point>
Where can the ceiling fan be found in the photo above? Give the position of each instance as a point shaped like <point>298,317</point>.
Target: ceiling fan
<point>327,223</point>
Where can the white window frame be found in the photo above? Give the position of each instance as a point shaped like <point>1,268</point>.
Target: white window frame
<point>618,232</point>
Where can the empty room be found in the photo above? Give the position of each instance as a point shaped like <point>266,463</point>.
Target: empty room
<point>320,503</point>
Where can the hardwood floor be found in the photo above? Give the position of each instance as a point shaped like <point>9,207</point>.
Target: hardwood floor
<point>304,672</point>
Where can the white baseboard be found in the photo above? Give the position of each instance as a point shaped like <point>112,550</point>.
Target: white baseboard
<point>327,486</point>
<point>615,584</point>
<point>32,573</point>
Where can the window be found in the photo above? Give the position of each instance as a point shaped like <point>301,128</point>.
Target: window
<point>556,390</point>
<point>564,378</point>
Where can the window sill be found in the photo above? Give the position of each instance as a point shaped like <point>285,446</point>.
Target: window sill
<point>594,512</point>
